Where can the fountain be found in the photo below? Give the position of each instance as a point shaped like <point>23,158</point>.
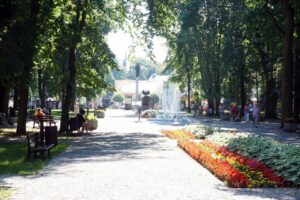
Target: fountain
<point>170,99</point>
<point>171,104</point>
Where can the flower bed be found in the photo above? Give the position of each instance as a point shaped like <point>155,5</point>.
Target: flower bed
<point>235,169</point>
<point>221,168</point>
<point>177,134</point>
<point>265,162</point>
<point>263,176</point>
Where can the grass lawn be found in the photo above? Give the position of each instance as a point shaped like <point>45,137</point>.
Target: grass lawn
<point>13,158</point>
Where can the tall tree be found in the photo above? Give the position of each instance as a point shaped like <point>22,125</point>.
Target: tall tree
<point>286,31</point>
<point>29,50</point>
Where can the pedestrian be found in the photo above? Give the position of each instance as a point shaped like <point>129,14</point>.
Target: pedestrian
<point>210,112</point>
<point>199,110</point>
<point>255,114</point>
<point>82,123</point>
<point>195,107</point>
<point>250,111</point>
<point>234,112</point>
<point>139,112</point>
<point>39,113</point>
<point>246,113</point>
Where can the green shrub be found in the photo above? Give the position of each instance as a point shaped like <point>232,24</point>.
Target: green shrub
<point>201,131</point>
<point>118,97</point>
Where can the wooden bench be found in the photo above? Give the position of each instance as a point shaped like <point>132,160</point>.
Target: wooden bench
<point>35,147</point>
<point>47,118</point>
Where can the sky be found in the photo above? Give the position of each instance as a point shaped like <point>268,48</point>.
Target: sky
<point>120,41</point>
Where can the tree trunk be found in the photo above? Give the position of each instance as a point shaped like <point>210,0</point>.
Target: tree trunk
<point>69,95</point>
<point>16,99</point>
<point>70,87</point>
<point>210,104</point>
<point>6,13</point>
<point>189,90</point>
<point>297,85</point>
<point>28,54</point>
<point>271,99</point>
<point>271,95</point>
<point>4,97</point>
<point>22,110</point>
<point>242,84</point>
<point>42,88</point>
<point>218,92</point>
<point>287,71</point>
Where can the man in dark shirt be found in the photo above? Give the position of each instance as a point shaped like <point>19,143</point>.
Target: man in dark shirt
<point>81,120</point>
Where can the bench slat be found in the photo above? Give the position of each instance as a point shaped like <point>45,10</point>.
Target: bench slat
<point>34,146</point>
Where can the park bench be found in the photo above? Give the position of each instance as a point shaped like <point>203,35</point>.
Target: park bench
<point>39,143</point>
<point>48,119</point>
<point>36,148</point>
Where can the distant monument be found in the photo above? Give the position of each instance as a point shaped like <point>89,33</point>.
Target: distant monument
<point>145,100</point>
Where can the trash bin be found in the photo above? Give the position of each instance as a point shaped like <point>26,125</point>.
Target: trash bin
<point>73,123</point>
<point>51,135</point>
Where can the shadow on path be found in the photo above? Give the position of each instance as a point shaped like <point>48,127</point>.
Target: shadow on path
<point>99,148</point>
<point>109,147</point>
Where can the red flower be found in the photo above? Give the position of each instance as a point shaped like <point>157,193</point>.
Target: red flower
<point>253,164</point>
<point>221,168</point>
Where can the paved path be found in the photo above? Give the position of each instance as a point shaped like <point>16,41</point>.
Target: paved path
<point>130,160</point>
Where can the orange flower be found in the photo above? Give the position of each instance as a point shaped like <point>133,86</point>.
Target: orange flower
<point>221,168</point>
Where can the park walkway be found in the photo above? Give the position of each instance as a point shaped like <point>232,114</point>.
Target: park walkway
<point>130,160</point>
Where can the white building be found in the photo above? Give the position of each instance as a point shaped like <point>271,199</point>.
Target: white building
<point>154,84</point>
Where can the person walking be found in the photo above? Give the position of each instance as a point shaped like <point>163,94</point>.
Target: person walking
<point>250,111</point>
<point>246,113</point>
<point>255,114</point>
<point>234,111</point>
<point>139,112</point>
